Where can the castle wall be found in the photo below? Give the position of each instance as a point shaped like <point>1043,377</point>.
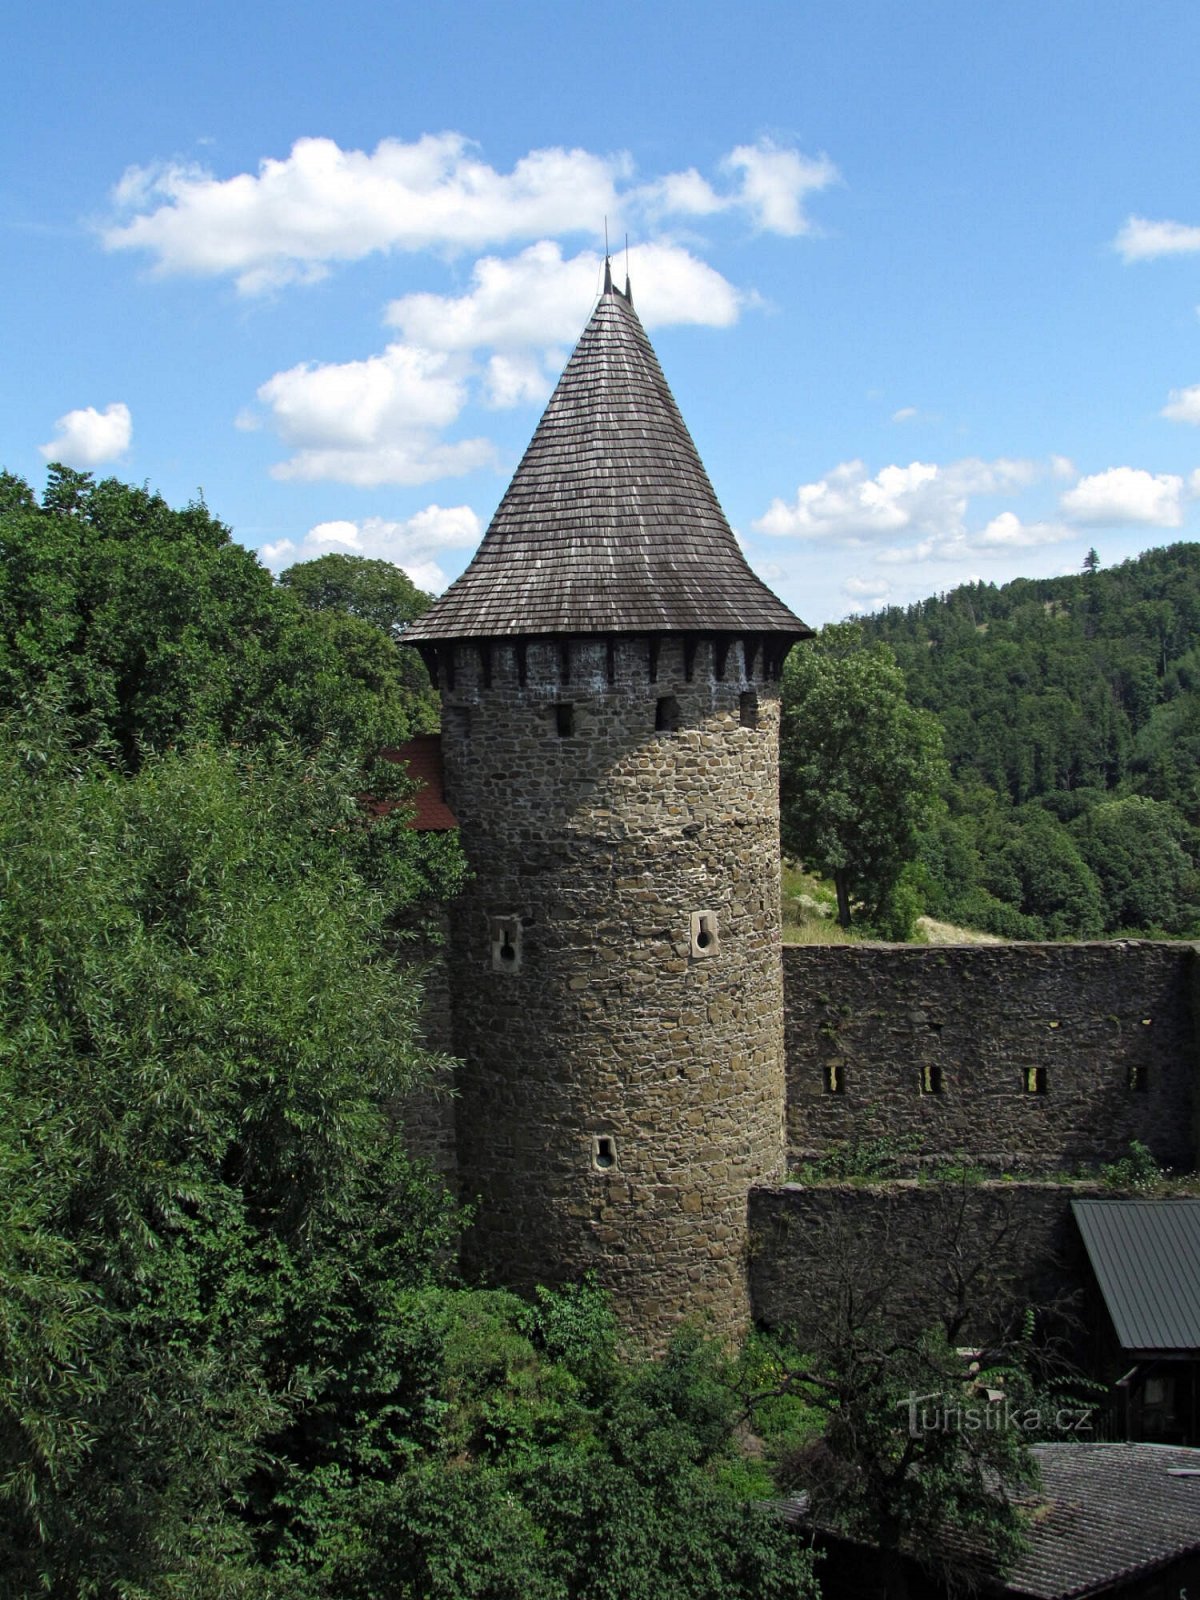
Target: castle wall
<point>622,1080</point>
<point>917,1253</point>
<point>1033,1057</point>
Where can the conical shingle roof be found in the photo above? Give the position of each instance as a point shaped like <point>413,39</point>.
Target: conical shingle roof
<point>610,524</point>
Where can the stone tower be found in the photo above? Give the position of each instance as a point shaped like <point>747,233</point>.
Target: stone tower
<point>609,669</point>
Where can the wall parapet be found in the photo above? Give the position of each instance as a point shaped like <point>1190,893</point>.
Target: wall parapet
<point>1024,1057</point>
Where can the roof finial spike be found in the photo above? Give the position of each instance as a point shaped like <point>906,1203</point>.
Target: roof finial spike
<point>607,262</point>
<point>628,290</point>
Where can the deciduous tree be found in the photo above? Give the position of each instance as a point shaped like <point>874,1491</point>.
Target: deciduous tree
<point>859,768</point>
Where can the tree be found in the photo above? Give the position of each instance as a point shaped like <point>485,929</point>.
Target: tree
<point>915,1452</point>
<point>377,591</point>
<point>1138,849</point>
<point>151,627</point>
<point>201,1026</point>
<point>859,767</point>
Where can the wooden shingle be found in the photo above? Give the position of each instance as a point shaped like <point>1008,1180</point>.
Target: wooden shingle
<point>610,524</point>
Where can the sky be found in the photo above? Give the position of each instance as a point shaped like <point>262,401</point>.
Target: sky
<point>924,278</point>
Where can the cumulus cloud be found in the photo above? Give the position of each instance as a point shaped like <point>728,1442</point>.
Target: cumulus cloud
<point>1125,495</point>
<point>1008,532</point>
<point>373,421</point>
<point>916,513</point>
<point>411,544</point>
<point>1183,405</point>
<point>1143,240</point>
<point>323,204</point>
<point>921,499</point>
<point>88,438</point>
<point>535,299</point>
<point>775,182</point>
<point>296,217</point>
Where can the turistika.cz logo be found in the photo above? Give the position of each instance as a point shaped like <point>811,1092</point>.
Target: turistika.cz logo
<point>940,1413</point>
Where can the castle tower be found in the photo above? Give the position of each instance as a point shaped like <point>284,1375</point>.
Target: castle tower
<point>609,669</point>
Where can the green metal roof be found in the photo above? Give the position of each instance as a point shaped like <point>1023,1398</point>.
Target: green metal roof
<point>1146,1257</point>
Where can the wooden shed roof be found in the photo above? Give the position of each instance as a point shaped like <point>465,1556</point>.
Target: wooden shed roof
<point>610,524</point>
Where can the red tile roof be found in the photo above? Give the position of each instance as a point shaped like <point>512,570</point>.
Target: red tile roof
<point>423,757</point>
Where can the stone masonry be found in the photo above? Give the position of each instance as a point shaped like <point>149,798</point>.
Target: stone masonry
<point>616,970</point>
<point>1023,1057</point>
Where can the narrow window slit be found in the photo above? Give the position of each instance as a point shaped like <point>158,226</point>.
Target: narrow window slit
<point>666,715</point>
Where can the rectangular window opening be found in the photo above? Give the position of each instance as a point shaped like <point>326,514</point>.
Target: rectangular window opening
<point>564,720</point>
<point>834,1078</point>
<point>1035,1080</point>
<point>666,715</point>
<point>748,709</point>
<point>1139,1078</point>
<point>931,1080</point>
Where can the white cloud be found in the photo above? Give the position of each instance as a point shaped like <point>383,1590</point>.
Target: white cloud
<point>1125,495</point>
<point>373,421</point>
<point>1183,405</point>
<point>683,193</point>
<point>87,438</point>
<point>323,204</point>
<point>775,182</point>
<point>295,217</point>
<point>1008,532</point>
<point>905,414</point>
<point>866,588</point>
<point>538,299</point>
<point>922,510</point>
<point>1143,240</point>
<point>921,499</point>
<point>411,544</point>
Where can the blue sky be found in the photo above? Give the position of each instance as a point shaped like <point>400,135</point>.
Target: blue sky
<point>924,277</point>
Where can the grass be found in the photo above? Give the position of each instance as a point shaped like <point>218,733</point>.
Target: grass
<point>810,916</point>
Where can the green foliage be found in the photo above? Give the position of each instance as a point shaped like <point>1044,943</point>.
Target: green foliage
<point>200,1026</point>
<point>887,1156</point>
<point>152,628</point>
<point>860,771</point>
<point>371,591</point>
<point>582,1478</point>
<point>1138,849</point>
<point>377,591</point>
<point>1059,700</point>
<point>1137,1172</point>
<point>914,1456</point>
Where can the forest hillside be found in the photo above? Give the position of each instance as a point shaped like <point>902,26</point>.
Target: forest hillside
<point>1070,710</point>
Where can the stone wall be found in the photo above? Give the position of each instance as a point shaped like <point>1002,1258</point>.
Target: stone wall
<point>616,966</point>
<point>1033,1057</point>
<point>916,1252</point>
